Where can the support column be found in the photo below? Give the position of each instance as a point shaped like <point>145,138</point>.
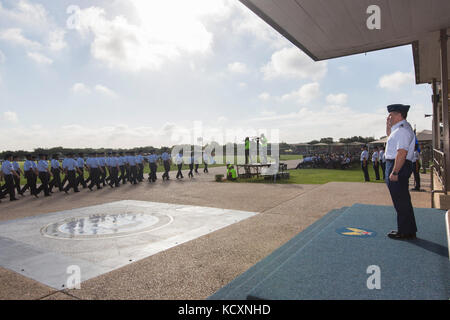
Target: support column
<point>444,97</point>
<point>436,129</point>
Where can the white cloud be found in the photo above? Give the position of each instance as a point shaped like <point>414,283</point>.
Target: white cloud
<point>27,14</point>
<point>39,58</point>
<point>2,57</point>
<point>248,23</point>
<point>238,67</point>
<point>264,96</point>
<point>105,91</point>
<point>80,88</point>
<point>305,94</point>
<point>396,80</point>
<point>166,30</point>
<point>10,117</point>
<point>56,40</point>
<point>242,85</point>
<point>15,36</point>
<point>339,99</point>
<point>293,63</point>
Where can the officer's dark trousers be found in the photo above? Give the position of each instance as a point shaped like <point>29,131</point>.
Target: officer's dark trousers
<point>416,170</point>
<point>140,172</point>
<point>44,176</point>
<point>95,178</point>
<point>196,168</point>
<point>179,173</point>
<point>17,183</point>
<point>122,174</point>
<point>31,182</point>
<point>56,181</point>
<point>103,175</point>
<point>376,168</point>
<point>365,170</point>
<point>383,169</point>
<point>166,169</point>
<point>133,174</point>
<point>73,183</point>
<point>153,169</point>
<point>401,198</point>
<point>191,167</point>
<point>80,179</point>
<point>114,176</point>
<point>205,169</point>
<point>9,187</point>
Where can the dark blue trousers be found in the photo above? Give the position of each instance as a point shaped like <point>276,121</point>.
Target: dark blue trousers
<point>399,190</point>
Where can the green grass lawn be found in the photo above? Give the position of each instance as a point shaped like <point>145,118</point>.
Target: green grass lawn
<point>321,176</point>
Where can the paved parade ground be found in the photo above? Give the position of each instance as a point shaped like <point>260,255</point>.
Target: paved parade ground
<point>178,239</point>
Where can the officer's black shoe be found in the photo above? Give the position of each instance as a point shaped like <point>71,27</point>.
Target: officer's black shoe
<point>13,199</point>
<point>77,191</point>
<point>401,236</point>
<point>90,188</point>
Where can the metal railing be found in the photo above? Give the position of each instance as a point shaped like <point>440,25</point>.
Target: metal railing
<point>438,168</point>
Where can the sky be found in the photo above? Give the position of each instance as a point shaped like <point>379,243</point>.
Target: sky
<point>130,73</point>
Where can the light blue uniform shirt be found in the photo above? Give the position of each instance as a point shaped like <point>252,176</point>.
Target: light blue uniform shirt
<point>7,167</point>
<point>16,166</point>
<point>121,161</point>
<point>28,165</point>
<point>152,158</point>
<point>69,164</point>
<point>80,163</point>
<point>42,165</point>
<point>131,160</point>
<point>139,159</point>
<point>165,156</point>
<point>55,164</point>
<point>113,162</point>
<point>101,161</point>
<point>92,163</point>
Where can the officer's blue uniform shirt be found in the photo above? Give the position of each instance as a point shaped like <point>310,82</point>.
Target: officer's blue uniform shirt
<point>165,156</point>
<point>113,162</point>
<point>152,158</point>
<point>16,166</point>
<point>92,163</point>
<point>401,137</point>
<point>121,161</point>
<point>415,156</point>
<point>7,167</point>
<point>131,160</point>
<point>69,164</point>
<point>28,165</point>
<point>101,161</point>
<point>382,158</point>
<point>364,155</point>
<point>42,165</point>
<point>55,164</point>
<point>80,163</point>
<point>375,156</point>
<point>139,159</point>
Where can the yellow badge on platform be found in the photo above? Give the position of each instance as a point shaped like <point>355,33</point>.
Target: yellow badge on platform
<point>356,232</point>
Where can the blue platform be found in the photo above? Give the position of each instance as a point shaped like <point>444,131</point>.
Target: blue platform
<point>330,261</point>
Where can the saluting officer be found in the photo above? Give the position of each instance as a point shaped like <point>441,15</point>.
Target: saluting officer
<point>399,155</point>
<point>364,160</point>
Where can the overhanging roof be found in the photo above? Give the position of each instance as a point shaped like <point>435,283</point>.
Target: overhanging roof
<point>326,29</point>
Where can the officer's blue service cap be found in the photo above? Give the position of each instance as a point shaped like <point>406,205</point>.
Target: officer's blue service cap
<point>398,108</point>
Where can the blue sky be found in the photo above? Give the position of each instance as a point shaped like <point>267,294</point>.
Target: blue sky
<point>129,73</point>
